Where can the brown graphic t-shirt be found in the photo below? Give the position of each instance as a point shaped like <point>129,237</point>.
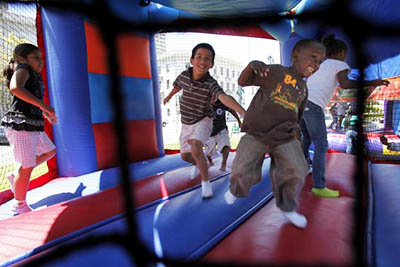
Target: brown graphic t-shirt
<point>274,113</point>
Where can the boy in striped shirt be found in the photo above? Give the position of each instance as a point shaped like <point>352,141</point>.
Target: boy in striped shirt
<point>196,111</point>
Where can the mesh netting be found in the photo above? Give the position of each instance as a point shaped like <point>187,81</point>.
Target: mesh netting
<point>380,120</point>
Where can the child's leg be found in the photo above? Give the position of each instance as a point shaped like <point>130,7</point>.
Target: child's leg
<point>246,169</point>
<point>288,171</point>
<point>21,183</point>
<point>45,157</point>
<point>210,161</point>
<point>225,154</point>
<point>36,149</point>
<point>305,139</point>
<point>210,149</point>
<point>199,158</point>
<point>224,143</point>
<point>188,157</point>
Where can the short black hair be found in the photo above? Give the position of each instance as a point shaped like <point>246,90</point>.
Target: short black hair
<point>300,45</point>
<point>205,46</point>
<point>333,46</point>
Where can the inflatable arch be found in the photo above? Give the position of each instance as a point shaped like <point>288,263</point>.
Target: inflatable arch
<point>172,218</point>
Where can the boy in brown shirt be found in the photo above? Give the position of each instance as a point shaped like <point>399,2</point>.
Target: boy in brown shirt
<point>271,124</point>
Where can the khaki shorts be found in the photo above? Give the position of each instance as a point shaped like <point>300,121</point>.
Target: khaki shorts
<point>27,145</point>
<point>219,140</point>
<point>201,131</point>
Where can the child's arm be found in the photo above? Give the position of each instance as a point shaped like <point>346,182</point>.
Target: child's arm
<point>171,94</point>
<point>253,73</point>
<point>236,116</point>
<point>230,102</point>
<point>345,83</point>
<point>17,88</point>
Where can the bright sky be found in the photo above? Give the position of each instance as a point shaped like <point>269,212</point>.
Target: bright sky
<point>243,49</point>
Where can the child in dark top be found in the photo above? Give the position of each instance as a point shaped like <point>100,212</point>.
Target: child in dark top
<point>24,120</point>
<point>196,112</point>
<point>219,135</point>
<point>271,124</point>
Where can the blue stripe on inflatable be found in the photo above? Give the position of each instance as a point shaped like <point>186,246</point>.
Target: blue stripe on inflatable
<point>396,117</point>
<point>66,189</point>
<point>137,96</point>
<point>184,227</point>
<point>384,226</point>
<point>162,14</point>
<point>68,90</point>
<point>129,10</point>
<point>156,92</point>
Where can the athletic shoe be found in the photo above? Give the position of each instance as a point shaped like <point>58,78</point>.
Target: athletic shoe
<point>194,172</point>
<point>21,208</point>
<point>206,189</point>
<point>229,198</point>
<point>295,218</point>
<point>325,192</point>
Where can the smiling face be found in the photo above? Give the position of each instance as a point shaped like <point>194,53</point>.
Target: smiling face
<point>306,60</point>
<point>202,61</point>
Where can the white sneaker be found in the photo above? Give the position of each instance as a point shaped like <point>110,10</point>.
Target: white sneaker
<point>194,172</point>
<point>229,198</point>
<point>11,177</point>
<point>206,189</point>
<point>296,218</point>
<point>20,208</point>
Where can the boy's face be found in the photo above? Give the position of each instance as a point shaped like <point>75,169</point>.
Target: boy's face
<point>201,62</point>
<point>307,60</point>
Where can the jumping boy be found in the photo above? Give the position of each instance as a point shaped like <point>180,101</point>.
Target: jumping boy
<point>272,126</point>
<point>196,112</point>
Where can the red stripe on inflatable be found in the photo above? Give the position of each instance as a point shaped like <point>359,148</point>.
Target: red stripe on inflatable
<point>141,138</point>
<point>25,232</point>
<point>48,127</point>
<point>248,32</point>
<point>133,53</point>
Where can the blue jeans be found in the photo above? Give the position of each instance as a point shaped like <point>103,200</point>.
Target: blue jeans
<point>313,130</point>
<point>351,137</point>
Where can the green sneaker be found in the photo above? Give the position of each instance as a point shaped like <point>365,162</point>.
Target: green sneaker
<point>325,192</point>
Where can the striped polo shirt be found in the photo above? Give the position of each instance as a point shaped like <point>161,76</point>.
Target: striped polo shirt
<point>196,96</point>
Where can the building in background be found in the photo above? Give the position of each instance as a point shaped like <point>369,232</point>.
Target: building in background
<point>173,56</point>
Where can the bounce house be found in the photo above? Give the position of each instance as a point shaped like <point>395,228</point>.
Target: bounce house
<point>114,197</point>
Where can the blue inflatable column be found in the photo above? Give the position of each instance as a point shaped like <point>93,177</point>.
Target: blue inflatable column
<point>396,116</point>
<point>65,46</point>
<point>286,48</point>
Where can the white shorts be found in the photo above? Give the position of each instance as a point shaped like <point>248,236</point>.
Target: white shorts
<point>27,145</point>
<point>221,140</point>
<point>201,131</point>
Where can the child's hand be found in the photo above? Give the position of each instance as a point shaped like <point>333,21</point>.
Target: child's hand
<point>51,118</point>
<point>380,82</point>
<point>165,101</point>
<point>48,109</point>
<point>259,68</point>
